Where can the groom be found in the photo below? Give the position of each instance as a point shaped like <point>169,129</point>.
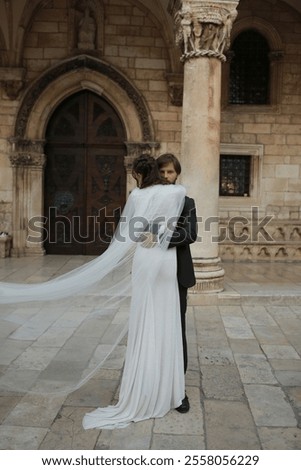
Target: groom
<point>184,234</point>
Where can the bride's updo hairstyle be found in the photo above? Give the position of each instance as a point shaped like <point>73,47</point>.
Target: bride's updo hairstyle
<point>147,167</point>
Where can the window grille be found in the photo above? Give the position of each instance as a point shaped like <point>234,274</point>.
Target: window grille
<point>249,69</point>
<point>235,173</point>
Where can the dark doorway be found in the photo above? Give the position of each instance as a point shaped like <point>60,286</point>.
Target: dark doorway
<point>85,178</point>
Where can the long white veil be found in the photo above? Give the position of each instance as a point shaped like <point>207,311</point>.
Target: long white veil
<point>63,330</point>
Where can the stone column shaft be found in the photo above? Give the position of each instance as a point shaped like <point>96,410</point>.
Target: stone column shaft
<point>203,33</point>
<point>200,159</point>
<point>28,161</point>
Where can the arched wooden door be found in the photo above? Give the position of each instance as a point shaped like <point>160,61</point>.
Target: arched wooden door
<point>85,179</point>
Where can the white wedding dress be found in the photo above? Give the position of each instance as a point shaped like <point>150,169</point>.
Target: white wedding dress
<point>153,378</point>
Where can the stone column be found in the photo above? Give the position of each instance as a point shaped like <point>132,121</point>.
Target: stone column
<point>27,161</point>
<point>203,33</point>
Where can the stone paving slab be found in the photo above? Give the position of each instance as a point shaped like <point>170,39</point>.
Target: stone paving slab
<point>230,425</point>
<point>20,437</point>
<point>254,369</point>
<point>66,431</point>
<point>280,438</point>
<point>135,436</point>
<point>243,378</point>
<point>34,411</point>
<point>269,406</point>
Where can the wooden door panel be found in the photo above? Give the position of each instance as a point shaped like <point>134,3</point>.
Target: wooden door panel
<point>104,126</point>
<point>67,125</point>
<point>64,200</point>
<point>105,196</point>
<point>85,180</point>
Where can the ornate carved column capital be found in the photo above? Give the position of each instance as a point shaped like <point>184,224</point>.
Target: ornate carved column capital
<point>203,27</point>
<point>27,153</point>
<point>27,159</point>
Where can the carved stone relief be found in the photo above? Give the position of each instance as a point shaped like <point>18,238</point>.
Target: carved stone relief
<point>87,26</point>
<point>175,88</point>
<point>27,153</point>
<point>13,88</point>
<point>285,243</point>
<point>12,81</point>
<point>86,31</point>
<point>203,28</point>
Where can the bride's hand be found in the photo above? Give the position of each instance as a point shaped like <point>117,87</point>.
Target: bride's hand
<point>148,239</point>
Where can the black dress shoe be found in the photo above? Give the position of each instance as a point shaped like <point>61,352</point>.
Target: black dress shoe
<point>184,408</point>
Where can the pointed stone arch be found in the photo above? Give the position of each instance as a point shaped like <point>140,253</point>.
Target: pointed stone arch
<point>41,99</point>
<point>80,72</point>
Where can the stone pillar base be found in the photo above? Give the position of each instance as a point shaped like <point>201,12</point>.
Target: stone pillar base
<point>209,276</point>
<point>5,246</point>
<point>35,250</point>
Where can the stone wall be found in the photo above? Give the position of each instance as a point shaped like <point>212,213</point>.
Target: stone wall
<point>277,128</point>
<point>132,42</point>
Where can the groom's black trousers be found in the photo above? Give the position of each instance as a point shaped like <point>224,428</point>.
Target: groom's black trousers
<point>183,307</point>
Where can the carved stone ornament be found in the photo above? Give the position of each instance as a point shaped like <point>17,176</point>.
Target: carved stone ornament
<point>27,146</point>
<point>86,31</point>
<point>20,159</point>
<point>12,88</point>
<point>284,243</point>
<point>176,94</point>
<point>27,153</point>
<point>203,28</point>
<point>175,89</point>
<point>12,81</point>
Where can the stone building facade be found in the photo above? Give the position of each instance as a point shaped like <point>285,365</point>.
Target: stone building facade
<point>88,85</point>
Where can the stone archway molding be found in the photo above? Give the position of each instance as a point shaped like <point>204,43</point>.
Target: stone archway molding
<point>276,55</point>
<point>263,27</point>
<point>27,155</point>
<point>109,81</point>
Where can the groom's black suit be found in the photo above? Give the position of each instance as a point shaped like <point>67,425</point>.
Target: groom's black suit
<point>185,234</point>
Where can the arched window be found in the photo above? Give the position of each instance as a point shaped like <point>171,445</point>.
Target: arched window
<point>250,69</point>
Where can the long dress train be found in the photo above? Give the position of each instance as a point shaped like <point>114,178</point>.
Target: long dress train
<point>153,379</point>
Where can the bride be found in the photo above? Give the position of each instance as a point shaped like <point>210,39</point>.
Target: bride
<point>153,377</point>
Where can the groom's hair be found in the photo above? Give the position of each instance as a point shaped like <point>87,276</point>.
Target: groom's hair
<point>167,158</point>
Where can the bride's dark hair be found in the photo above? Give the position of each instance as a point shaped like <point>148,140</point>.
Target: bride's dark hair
<point>146,166</point>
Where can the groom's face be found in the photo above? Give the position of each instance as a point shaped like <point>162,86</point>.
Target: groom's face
<point>169,173</point>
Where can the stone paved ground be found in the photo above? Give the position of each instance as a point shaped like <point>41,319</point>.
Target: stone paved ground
<point>243,381</point>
